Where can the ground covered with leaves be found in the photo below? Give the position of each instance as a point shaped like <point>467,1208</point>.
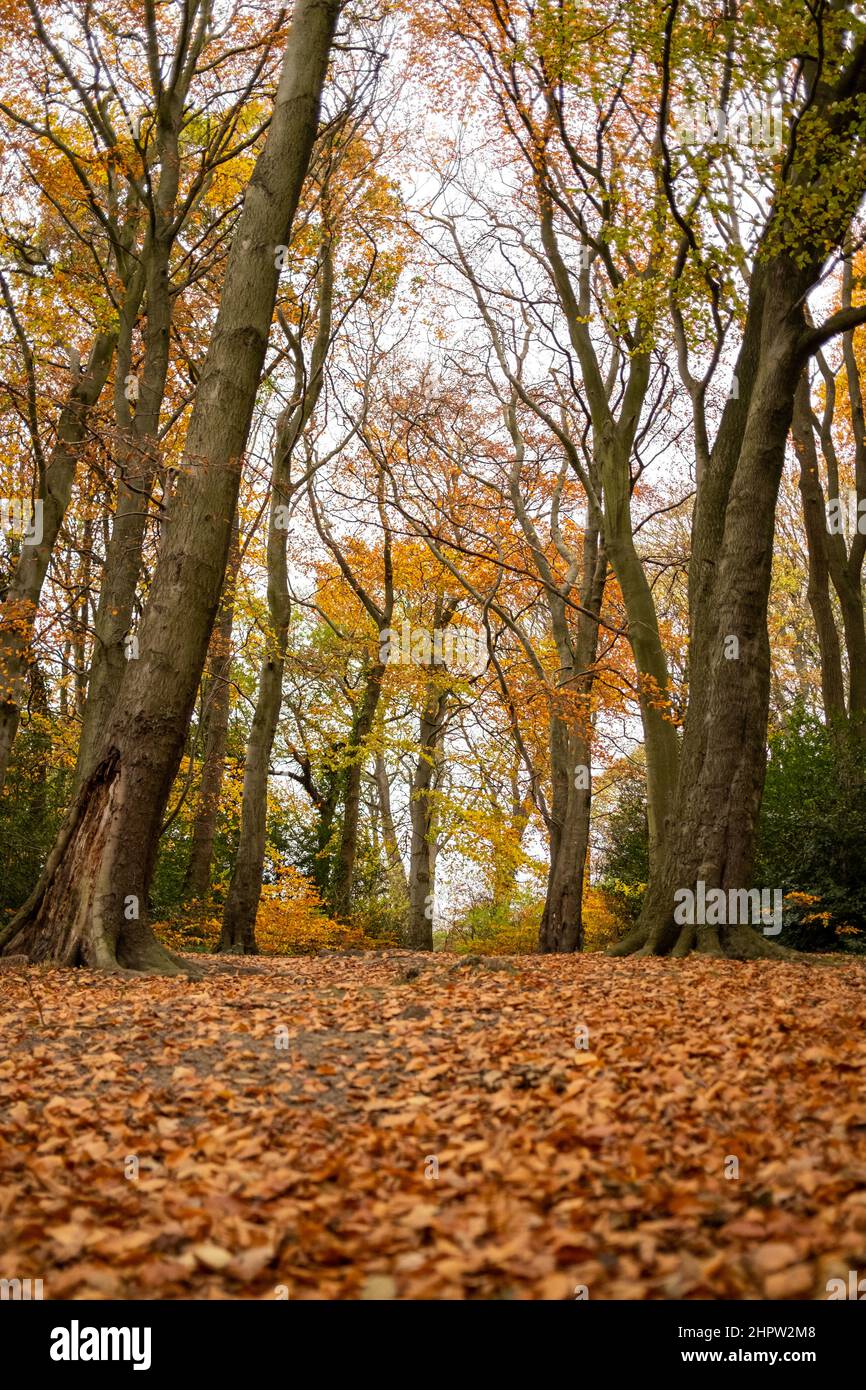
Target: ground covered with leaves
<point>389,1125</point>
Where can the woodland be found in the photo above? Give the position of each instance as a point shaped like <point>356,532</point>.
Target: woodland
<point>432,530</point>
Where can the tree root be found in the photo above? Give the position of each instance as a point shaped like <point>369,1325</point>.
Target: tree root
<point>629,944</point>
<point>144,955</point>
<point>725,943</point>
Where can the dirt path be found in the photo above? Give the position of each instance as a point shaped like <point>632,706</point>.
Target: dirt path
<point>390,1125</point>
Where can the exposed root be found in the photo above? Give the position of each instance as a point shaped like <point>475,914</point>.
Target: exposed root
<point>142,954</point>
<point>147,958</point>
<point>744,943</point>
<point>15,962</point>
<point>707,941</point>
<point>629,944</point>
<point>685,941</point>
<point>722,943</point>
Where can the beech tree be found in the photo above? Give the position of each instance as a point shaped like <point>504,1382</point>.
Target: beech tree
<point>91,902</point>
<point>351,204</point>
<point>128,179</point>
<point>714,821</point>
<point>597,214</point>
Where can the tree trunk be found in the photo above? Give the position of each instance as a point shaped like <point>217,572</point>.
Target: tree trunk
<point>661,740</point>
<point>25,590</point>
<point>561,926</point>
<point>421,812</point>
<point>396,871</point>
<point>562,920</point>
<point>342,881</point>
<point>90,905</point>
<point>815,521</point>
<point>242,903</point>
<point>216,701</point>
<point>613,439</point>
<point>238,929</point>
<point>723,759</point>
<point>846,570</point>
<point>138,433</point>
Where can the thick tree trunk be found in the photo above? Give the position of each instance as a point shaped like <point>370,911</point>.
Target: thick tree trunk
<point>138,434</point>
<point>562,920</point>
<point>91,903</point>
<point>22,600</point>
<point>723,757</point>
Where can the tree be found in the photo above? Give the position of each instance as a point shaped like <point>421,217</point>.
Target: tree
<point>56,475</point>
<point>597,208</point>
<point>91,902</point>
<point>715,818</point>
<point>349,199</point>
<point>238,932</point>
<point>216,704</point>
<point>835,522</point>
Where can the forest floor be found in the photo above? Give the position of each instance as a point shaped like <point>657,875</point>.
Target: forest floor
<point>390,1125</point>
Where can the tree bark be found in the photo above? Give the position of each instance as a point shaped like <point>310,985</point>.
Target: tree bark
<point>613,438</point>
<point>242,902</point>
<point>815,522</point>
<point>661,739</point>
<point>138,432</point>
<point>238,928</point>
<point>421,812</point>
<point>724,749</point>
<point>396,871</point>
<point>723,759</point>
<point>846,570</point>
<point>90,905</point>
<point>561,927</point>
<point>216,701</point>
<point>342,881</point>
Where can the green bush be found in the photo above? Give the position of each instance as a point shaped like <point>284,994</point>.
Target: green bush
<point>624,861</point>
<point>812,834</point>
<point>31,810</point>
